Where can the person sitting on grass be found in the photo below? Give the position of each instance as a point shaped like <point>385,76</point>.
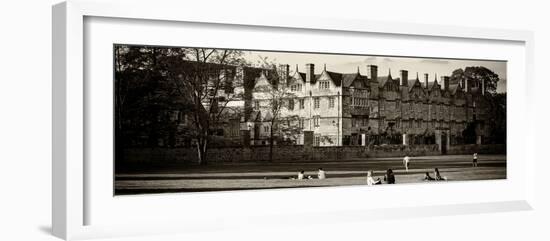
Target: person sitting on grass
<point>389,178</point>
<point>438,176</point>
<point>371,181</point>
<point>427,177</point>
<point>301,175</point>
<point>321,174</point>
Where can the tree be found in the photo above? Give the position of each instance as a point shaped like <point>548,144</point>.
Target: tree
<point>476,75</point>
<point>497,118</point>
<point>140,93</point>
<point>291,128</point>
<point>206,79</point>
<point>152,82</point>
<point>276,96</point>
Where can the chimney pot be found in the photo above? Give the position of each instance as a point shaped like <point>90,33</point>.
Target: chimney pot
<point>404,77</point>
<point>426,75</point>
<point>373,72</point>
<point>446,82</point>
<point>310,73</point>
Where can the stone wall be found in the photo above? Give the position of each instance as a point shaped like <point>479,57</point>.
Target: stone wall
<point>229,155</point>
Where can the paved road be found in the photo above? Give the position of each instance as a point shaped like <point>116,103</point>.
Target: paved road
<point>278,175</point>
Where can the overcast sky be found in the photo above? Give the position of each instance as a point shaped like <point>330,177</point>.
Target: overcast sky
<point>349,64</point>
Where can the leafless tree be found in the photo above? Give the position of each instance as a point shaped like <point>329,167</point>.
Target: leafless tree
<point>277,97</point>
<point>206,79</point>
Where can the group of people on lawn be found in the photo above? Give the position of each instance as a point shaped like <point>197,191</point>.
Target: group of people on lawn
<point>389,177</point>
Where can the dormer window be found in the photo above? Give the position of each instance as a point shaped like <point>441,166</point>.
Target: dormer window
<point>324,85</point>
<point>296,87</point>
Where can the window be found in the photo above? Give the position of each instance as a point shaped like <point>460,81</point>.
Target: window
<point>317,140</point>
<point>266,128</point>
<point>324,85</point>
<point>296,87</point>
<point>257,104</point>
<point>291,104</point>
<point>331,102</point>
<point>182,118</point>
<point>365,121</point>
<point>316,102</point>
<point>316,120</point>
<point>302,103</point>
<point>301,123</point>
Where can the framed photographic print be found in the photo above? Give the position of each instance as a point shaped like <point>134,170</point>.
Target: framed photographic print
<point>197,120</point>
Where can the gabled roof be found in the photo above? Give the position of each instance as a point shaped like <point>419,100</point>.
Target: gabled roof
<point>384,80</point>
<point>453,88</point>
<point>335,77</point>
<point>298,78</point>
<point>267,117</point>
<point>254,116</point>
<point>411,83</point>
<point>348,79</point>
<point>302,75</point>
<point>271,76</point>
<point>432,84</point>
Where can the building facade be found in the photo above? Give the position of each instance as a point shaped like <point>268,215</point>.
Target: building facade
<point>340,109</point>
<point>263,106</point>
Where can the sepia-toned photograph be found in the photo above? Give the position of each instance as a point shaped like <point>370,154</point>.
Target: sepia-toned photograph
<point>195,119</point>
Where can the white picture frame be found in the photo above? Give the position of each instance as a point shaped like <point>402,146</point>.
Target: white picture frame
<point>71,188</point>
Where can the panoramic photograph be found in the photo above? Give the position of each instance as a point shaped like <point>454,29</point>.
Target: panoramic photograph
<point>195,119</point>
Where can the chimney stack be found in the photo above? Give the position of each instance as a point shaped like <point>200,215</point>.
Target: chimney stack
<point>482,87</point>
<point>373,72</point>
<point>310,73</point>
<point>446,82</point>
<point>404,77</point>
<point>426,79</point>
<point>285,73</point>
<point>467,87</point>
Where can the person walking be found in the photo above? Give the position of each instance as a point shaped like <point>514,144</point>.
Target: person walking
<point>406,161</point>
<point>474,160</point>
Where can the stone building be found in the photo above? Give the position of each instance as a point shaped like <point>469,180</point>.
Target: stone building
<point>341,109</point>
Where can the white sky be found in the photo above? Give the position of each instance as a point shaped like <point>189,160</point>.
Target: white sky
<point>349,64</point>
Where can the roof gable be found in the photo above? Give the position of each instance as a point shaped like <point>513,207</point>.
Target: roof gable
<point>354,79</point>
<point>336,78</point>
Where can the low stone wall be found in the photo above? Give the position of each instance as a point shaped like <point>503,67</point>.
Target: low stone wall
<point>481,149</point>
<point>177,156</point>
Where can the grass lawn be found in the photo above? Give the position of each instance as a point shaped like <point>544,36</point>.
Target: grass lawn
<point>278,175</point>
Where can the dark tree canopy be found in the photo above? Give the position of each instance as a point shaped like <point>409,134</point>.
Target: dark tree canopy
<point>475,75</point>
<point>154,83</point>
